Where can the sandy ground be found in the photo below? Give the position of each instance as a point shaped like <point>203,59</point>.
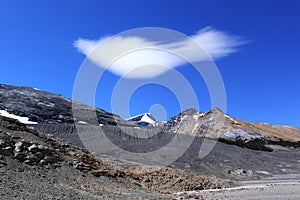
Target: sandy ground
<point>276,187</point>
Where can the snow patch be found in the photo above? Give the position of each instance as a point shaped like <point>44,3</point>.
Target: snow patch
<point>82,122</point>
<point>24,120</point>
<point>194,192</point>
<point>147,119</point>
<point>263,172</point>
<point>195,127</point>
<point>196,117</point>
<point>231,119</point>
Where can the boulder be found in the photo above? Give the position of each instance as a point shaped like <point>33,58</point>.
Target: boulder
<point>6,151</point>
<point>33,148</point>
<point>21,156</point>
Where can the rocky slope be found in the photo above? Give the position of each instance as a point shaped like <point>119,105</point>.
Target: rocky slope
<point>224,161</point>
<point>53,114</point>
<point>36,166</point>
<point>217,125</point>
<point>48,108</point>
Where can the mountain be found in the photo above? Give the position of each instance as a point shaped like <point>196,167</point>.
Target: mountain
<point>145,119</point>
<point>33,165</point>
<point>52,114</point>
<point>43,107</point>
<point>215,124</point>
<point>42,153</point>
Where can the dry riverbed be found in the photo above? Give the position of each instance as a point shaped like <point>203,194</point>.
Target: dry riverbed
<point>277,187</point>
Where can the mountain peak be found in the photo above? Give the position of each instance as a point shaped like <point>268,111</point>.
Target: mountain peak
<point>189,111</point>
<point>144,119</point>
<point>216,109</point>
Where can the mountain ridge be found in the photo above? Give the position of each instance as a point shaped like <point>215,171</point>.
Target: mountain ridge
<point>53,148</point>
<point>45,108</point>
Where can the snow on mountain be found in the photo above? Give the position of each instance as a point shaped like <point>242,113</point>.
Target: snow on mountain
<point>145,119</point>
<point>31,106</point>
<point>24,120</point>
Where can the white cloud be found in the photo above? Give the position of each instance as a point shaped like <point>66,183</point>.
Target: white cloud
<point>137,57</point>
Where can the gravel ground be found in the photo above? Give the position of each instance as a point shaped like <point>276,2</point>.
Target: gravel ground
<point>35,166</point>
<point>19,181</point>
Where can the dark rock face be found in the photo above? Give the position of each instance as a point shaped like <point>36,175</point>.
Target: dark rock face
<point>44,107</point>
<point>38,106</point>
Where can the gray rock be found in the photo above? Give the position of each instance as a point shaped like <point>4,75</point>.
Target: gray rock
<point>44,150</point>
<point>2,143</point>
<point>16,137</point>
<point>44,107</point>
<point>82,167</point>
<point>21,156</point>
<point>33,148</point>
<point>6,151</point>
<point>33,160</point>
<point>48,160</point>
<point>2,163</point>
<point>39,154</point>
<point>19,146</point>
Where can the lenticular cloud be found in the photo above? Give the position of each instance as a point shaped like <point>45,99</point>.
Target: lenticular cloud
<point>138,57</point>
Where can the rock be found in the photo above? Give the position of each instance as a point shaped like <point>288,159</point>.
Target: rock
<point>48,160</point>
<point>6,151</point>
<point>240,172</point>
<point>16,137</point>
<point>40,155</point>
<point>20,170</point>
<point>32,160</point>
<point>2,143</point>
<point>250,173</point>
<point>33,148</point>
<point>43,162</point>
<point>21,156</point>
<point>19,146</point>
<point>82,167</point>
<point>106,172</point>
<point>97,173</point>
<point>27,162</point>
<point>56,165</point>
<point>2,163</point>
<point>44,150</point>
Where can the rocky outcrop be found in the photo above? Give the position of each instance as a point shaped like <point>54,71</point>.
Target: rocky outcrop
<point>44,107</point>
<point>27,152</point>
<point>215,124</point>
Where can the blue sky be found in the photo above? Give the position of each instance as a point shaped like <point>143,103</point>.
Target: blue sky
<point>261,79</point>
